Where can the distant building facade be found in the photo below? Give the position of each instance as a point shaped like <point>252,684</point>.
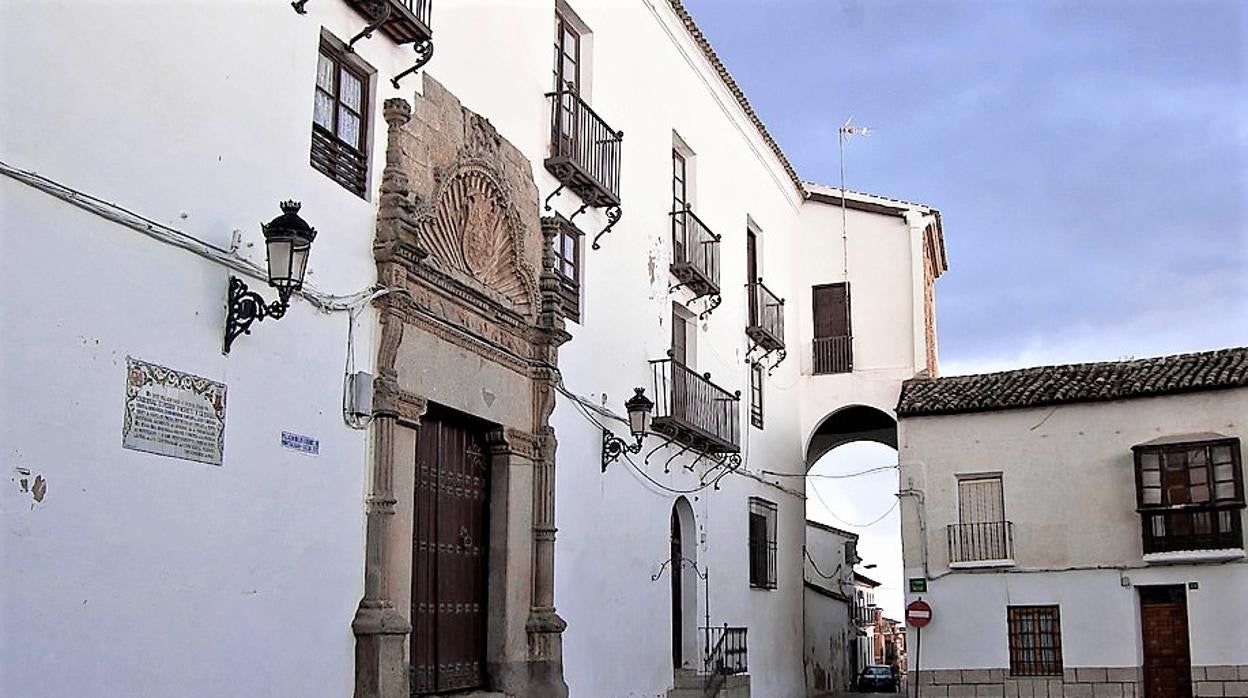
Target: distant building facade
<point>1080,528</point>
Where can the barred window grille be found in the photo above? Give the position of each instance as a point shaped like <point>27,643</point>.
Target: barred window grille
<point>1035,636</point>
<point>762,543</point>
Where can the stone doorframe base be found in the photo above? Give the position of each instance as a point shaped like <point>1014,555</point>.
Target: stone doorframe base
<point>466,326</point>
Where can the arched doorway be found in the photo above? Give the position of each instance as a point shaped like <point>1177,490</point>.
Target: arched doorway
<point>684,576</point>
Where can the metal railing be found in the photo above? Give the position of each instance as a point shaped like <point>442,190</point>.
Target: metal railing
<point>726,653</point>
<point>404,21</point>
<point>421,8</point>
<point>766,324</point>
<point>693,410</point>
<point>1205,528</point>
<point>695,253</point>
<point>833,354</point>
<point>584,150</point>
<point>981,542</point>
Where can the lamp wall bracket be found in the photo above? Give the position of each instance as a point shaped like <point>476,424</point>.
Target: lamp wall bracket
<point>613,447</point>
<point>245,307</point>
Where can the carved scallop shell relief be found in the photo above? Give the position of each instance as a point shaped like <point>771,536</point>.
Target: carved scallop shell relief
<point>474,230</point>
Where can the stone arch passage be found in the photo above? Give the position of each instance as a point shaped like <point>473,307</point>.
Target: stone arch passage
<point>848,424</point>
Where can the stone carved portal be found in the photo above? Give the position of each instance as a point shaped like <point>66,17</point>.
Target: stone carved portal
<point>471,327</point>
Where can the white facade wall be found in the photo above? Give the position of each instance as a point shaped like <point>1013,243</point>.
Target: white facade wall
<point>886,303</point>
<point>149,575</point>
<point>831,637</point>
<point>154,576</point>
<point>1069,485</point>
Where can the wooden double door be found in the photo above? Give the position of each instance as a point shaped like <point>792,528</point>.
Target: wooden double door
<point>449,555</point>
<point>1163,628</point>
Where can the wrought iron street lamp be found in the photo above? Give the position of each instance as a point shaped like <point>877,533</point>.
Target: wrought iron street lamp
<point>287,240</point>
<point>639,408</point>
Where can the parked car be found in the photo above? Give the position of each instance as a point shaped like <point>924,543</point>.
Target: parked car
<point>877,678</point>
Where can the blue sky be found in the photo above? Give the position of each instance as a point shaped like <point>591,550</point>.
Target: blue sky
<point>1090,159</point>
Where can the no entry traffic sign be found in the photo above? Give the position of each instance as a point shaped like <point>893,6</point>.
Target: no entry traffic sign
<point>918,613</point>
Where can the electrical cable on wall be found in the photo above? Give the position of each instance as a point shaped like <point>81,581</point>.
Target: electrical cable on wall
<point>873,522</point>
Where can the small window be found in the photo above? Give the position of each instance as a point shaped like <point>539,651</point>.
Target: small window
<point>762,543</point>
<point>1035,634</point>
<point>567,246</point>
<point>340,119</point>
<point>684,350</point>
<point>756,395</point>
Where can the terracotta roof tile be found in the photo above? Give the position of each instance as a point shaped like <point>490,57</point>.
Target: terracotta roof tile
<point>1092,382</point>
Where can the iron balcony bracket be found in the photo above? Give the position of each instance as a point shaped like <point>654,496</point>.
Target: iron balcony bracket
<point>614,214</point>
<point>613,447</point>
<point>382,16</point>
<point>298,5</point>
<point>579,211</point>
<point>424,52</point>
<point>553,194</point>
<point>712,302</point>
<point>245,307</point>
<point>779,360</point>
<point>667,465</point>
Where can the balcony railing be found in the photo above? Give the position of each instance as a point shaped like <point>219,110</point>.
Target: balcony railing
<point>726,653</point>
<point>695,254</point>
<point>766,322</point>
<point>981,542</point>
<point>833,354</point>
<point>408,21</point>
<point>584,150</point>
<point>694,411</point>
<point>1192,529</point>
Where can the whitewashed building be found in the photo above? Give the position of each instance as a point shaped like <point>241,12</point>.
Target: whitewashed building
<point>365,495</point>
<point>1079,528</point>
<point>832,630</point>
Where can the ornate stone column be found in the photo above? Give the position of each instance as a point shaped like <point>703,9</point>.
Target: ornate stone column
<point>545,627</point>
<point>381,631</point>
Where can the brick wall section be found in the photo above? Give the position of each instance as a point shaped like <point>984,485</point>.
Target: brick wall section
<point>1084,682</point>
<point>1220,681</point>
<point>1080,682</point>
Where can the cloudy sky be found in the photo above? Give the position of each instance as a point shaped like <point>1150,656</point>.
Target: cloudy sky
<point>1090,160</point>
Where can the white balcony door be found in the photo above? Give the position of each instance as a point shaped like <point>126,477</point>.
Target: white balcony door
<point>981,500</point>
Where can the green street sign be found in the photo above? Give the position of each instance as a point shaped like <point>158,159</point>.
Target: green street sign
<point>918,585</point>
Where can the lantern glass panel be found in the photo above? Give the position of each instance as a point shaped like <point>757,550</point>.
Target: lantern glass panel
<point>298,265</point>
<point>639,422</point>
<point>279,262</point>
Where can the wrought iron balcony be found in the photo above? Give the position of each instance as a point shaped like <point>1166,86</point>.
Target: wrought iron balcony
<point>1192,528</point>
<point>691,409</point>
<point>584,150</point>
<point>726,653</point>
<point>833,354</point>
<point>695,254</point>
<point>404,21</point>
<point>981,542</point>
<point>766,322</point>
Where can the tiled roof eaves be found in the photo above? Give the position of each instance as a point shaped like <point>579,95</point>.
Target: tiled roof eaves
<point>1047,386</point>
<point>703,43</point>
